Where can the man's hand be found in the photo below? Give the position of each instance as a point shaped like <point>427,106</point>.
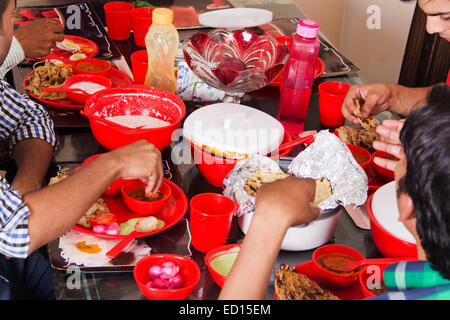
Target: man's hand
<point>287,199</point>
<point>140,160</point>
<point>377,97</point>
<point>39,37</point>
<point>389,142</point>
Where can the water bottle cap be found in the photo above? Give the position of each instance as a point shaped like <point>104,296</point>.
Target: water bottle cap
<point>307,28</point>
<point>162,16</point>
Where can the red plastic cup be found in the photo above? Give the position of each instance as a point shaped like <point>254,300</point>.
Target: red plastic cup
<point>141,21</point>
<point>139,66</point>
<point>210,219</point>
<point>118,19</point>
<point>331,96</point>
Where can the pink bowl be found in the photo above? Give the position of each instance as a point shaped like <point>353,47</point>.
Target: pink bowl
<point>141,100</point>
<point>332,278</point>
<point>144,207</point>
<point>115,187</point>
<point>214,253</point>
<point>388,244</point>
<point>189,270</point>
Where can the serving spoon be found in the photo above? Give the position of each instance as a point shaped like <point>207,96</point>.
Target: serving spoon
<point>64,90</point>
<point>347,265</point>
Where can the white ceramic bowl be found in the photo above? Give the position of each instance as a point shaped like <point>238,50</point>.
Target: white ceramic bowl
<point>306,236</point>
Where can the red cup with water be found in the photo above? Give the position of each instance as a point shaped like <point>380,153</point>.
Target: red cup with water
<point>210,220</point>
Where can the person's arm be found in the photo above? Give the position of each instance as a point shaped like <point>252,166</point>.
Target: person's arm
<point>14,57</point>
<point>32,157</point>
<point>57,208</point>
<point>383,97</point>
<point>276,211</point>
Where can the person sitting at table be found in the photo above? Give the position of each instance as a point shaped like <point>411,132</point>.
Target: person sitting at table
<point>393,97</point>
<point>32,216</point>
<point>33,40</point>
<point>423,189</point>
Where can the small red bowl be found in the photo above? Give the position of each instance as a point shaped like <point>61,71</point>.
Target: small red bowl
<point>333,278</point>
<point>217,252</point>
<point>215,169</point>
<point>79,97</point>
<point>382,173</point>
<point>361,152</point>
<point>388,245</point>
<point>144,207</point>
<point>97,62</point>
<point>189,270</point>
<point>115,187</point>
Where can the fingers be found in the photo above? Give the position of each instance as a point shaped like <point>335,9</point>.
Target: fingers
<point>348,106</point>
<point>389,131</point>
<point>386,163</point>
<point>394,149</point>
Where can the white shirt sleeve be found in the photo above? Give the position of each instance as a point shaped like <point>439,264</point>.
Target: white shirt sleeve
<point>15,56</point>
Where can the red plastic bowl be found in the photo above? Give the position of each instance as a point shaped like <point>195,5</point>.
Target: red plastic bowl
<point>361,151</point>
<point>189,270</point>
<point>81,98</point>
<point>97,62</point>
<point>115,187</point>
<point>215,169</point>
<point>332,278</point>
<point>387,243</point>
<point>382,173</point>
<point>217,252</point>
<point>140,100</point>
<point>144,207</point>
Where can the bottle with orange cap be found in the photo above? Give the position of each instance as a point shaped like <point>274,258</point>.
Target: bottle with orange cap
<point>161,42</point>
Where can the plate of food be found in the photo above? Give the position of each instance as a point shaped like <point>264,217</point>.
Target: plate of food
<point>51,75</point>
<point>111,210</point>
<point>72,48</point>
<point>301,282</point>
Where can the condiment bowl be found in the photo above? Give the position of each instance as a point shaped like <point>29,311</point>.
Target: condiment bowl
<point>382,173</point>
<point>115,187</point>
<point>133,100</point>
<point>335,279</point>
<point>144,207</point>
<point>79,97</point>
<point>78,66</point>
<point>217,252</point>
<point>360,152</point>
<point>189,270</point>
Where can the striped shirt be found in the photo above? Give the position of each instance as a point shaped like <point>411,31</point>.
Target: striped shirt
<point>414,280</point>
<point>20,118</point>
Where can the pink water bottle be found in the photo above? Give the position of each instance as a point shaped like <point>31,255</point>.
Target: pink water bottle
<point>299,76</point>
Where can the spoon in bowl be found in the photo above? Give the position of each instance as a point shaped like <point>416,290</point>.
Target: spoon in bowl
<point>344,265</point>
<point>64,90</point>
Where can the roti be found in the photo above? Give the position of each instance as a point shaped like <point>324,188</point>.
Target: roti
<point>323,191</point>
<point>368,124</point>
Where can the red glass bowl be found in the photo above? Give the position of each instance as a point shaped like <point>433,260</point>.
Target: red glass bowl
<point>98,62</point>
<point>387,243</point>
<point>217,252</point>
<point>115,187</point>
<point>333,278</point>
<point>189,270</point>
<point>135,100</point>
<point>144,207</point>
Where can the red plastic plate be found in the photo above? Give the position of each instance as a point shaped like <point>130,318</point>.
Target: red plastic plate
<point>88,47</point>
<point>170,214</point>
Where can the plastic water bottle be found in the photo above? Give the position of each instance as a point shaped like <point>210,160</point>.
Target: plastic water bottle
<point>299,76</point>
<point>161,42</point>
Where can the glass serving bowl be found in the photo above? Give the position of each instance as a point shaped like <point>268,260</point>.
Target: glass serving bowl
<point>235,61</point>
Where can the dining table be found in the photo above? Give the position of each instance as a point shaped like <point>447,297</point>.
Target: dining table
<point>76,143</point>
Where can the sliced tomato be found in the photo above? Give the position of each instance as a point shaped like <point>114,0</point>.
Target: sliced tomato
<point>102,218</point>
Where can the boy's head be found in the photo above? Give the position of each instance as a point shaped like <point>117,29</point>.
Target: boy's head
<point>6,27</point>
<point>423,178</point>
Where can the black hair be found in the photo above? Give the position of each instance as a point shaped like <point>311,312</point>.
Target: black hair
<point>426,141</point>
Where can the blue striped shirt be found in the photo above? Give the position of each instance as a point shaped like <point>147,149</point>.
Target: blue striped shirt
<point>20,118</point>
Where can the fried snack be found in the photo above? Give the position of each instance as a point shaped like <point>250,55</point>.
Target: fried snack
<point>357,136</point>
<point>98,207</point>
<point>368,124</point>
<point>323,191</point>
<point>49,76</point>
<point>262,176</point>
<point>290,285</point>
